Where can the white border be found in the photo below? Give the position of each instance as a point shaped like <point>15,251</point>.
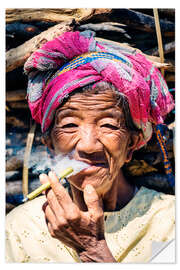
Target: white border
<point>78,4</point>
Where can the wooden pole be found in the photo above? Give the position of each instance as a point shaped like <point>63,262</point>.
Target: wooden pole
<point>159,37</point>
<point>29,142</point>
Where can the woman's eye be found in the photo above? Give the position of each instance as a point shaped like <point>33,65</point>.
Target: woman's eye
<point>110,126</point>
<point>70,125</point>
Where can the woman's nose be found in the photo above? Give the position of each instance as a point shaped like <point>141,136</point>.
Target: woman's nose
<point>89,141</point>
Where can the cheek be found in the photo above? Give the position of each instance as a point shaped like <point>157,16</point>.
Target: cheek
<point>63,142</point>
<point>115,144</point>
<point>116,150</point>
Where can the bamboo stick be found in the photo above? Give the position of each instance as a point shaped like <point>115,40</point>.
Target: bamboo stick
<point>159,37</point>
<point>30,138</point>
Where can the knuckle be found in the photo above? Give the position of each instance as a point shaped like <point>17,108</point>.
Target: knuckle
<point>62,223</point>
<point>59,196</point>
<point>98,216</point>
<point>73,214</point>
<point>50,229</point>
<point>49,194</point>
<point>52,234</point>
<point>55,229</point>
<point>74,217</point>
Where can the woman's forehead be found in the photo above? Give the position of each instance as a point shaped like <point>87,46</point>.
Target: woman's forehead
<point>105,100</point>
<point>100,102</point>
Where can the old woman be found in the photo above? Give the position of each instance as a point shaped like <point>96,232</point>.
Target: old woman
<point>100,102</point>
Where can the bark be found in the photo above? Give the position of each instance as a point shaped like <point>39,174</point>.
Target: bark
<point>53,15</point>
<point>16,95</point>
<point>15,187</point>
<point>154,181</point>
<point>15,122</point>
<point>21,29</point>
<point>13,164</point>
<point>169,12</point>
<point>105,27</point>
<point>18,105</point>
<point>170,77</point>
<point>154,59</point>
<point>16,57</point>
<point>140,21</point>
<point>168,48</point>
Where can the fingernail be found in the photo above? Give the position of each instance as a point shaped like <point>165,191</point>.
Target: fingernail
<point>52,175</point>
<point>89,189</point>
<point>42,175</point>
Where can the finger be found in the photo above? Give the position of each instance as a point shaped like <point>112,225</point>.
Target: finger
<point>44,206</point>
<point>59,224</point>
<point>54,204</point>
<point>92,201</point>
<point>49,215</point>
<point>61,194</point>
<point>50,219</point>
<point>50,229</point>
<point>71,211</point>
<point>43,178</point>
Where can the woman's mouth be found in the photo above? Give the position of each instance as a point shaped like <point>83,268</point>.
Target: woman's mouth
<point>95,167</point>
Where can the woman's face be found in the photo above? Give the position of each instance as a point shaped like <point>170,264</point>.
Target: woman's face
<point>93,127</point>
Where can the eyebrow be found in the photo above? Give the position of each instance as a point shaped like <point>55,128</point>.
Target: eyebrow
<point>111,114</point>
<point>64,112</point>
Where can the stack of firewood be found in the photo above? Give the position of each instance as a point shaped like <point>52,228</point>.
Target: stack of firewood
<point>28,29</point>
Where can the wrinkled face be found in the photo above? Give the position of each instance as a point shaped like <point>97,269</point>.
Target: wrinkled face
<point>93,126</point>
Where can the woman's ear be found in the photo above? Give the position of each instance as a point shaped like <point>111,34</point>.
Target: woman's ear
<point>48,142</point>
<point>134,140</point>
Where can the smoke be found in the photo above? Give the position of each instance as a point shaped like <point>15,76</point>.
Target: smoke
<point>42,163</point>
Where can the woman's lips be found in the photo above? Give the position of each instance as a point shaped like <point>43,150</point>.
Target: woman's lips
<point>95,167</point>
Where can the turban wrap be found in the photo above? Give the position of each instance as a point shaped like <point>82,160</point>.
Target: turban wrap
<point>76,59</point>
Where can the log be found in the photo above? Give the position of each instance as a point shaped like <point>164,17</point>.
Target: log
<point>155,147</point>
<point>18,105</point>
<point>9,207</point>
<point>168,48</point>
<point>16,175</point>
<point>165,13</point>
<point>105,26</point>
<point>53,15</point>
<point>17,95</point>
<point>170,77</point>
<point>16,57</point>
<point>13,175</point>
<point>13,164</point>
<point>140,21</point>
<point>21,29</point>
<point>154,59</point>
<point>14,121</point>
<point>169,12</point>
<point>156,181</point>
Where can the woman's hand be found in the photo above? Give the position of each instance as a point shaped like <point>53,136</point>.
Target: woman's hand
<point>83,231</point>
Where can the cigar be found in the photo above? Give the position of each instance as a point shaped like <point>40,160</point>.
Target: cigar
<point>47,185</point>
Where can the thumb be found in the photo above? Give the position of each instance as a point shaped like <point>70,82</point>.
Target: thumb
<point>92,200</point>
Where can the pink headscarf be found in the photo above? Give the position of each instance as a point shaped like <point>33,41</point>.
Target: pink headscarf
<point>76,59</point>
